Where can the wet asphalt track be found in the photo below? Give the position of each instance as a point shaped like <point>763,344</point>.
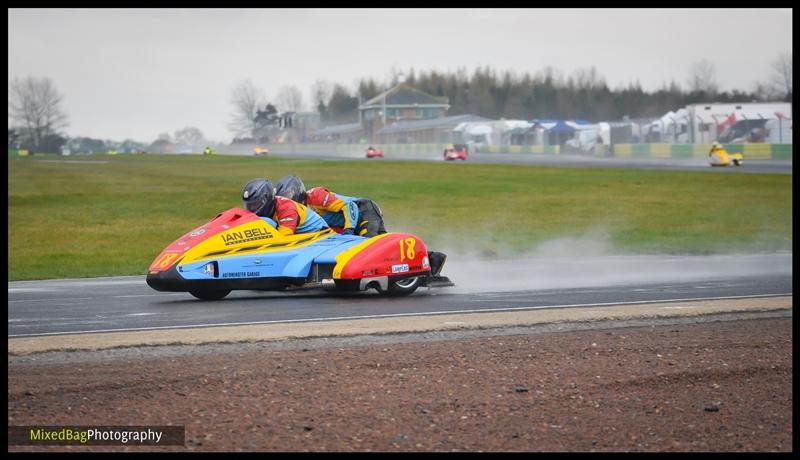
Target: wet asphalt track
<point>127,303</point>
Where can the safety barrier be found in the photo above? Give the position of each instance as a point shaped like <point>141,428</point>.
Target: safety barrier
<point>400,149</point>
<point>549,149</point>
<point>750,151</point>
<point>427,149</point>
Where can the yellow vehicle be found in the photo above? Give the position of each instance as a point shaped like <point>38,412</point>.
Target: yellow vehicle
<point>718,156</point>
<point>259,151</point>
<point>209,151</point>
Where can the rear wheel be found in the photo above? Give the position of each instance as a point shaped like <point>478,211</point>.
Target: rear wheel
<point>210,294</point>
<point>403,287</point>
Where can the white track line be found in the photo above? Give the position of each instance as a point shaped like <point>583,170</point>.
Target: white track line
<point>397,315</point>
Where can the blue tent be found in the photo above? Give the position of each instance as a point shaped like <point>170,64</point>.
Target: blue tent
<point>559,126</point>
<point>562,128</point>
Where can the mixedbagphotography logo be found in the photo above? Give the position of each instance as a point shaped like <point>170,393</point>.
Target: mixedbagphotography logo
<point>96,435</point>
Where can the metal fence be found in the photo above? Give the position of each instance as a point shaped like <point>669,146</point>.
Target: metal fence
<point>682,131</point>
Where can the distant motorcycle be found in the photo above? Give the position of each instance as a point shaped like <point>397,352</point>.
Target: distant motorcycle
<point>456,152</point>
<point>374,153</point>
<point>720,157</point>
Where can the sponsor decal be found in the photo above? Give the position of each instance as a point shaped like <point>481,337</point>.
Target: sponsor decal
<point>245,236</point>
<point>240,274</point>
<point>399,268</point>
<point>198,232</point>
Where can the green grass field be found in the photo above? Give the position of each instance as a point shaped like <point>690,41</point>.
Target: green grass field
<point>111,216</point>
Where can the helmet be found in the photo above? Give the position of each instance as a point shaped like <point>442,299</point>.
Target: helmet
<point>291,187</point>
<point>259,197</point>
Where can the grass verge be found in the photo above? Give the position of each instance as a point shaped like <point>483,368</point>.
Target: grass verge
<point>111,215</point>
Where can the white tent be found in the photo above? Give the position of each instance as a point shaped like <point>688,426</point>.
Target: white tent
<point>494,132</point>
<point>477,130</point>
<point>671,127</point>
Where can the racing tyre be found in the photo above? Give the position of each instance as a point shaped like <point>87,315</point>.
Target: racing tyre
<point>403,287</point>
<point>210,294</point>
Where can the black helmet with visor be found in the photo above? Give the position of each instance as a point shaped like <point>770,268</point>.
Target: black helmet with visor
<point>258,196</point>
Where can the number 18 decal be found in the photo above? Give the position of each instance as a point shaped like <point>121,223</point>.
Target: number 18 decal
<point>166,259</point>
<point>408,251</point>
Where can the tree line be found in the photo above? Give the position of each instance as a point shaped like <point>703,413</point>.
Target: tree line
<point>37,118</point>
<point>550,94</point>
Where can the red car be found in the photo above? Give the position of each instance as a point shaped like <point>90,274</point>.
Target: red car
<point>373,153</point>
<point>457,152</point>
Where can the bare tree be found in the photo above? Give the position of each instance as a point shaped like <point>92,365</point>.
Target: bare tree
<point>321,92</point>
<point>290,99</point>
<point>190,137</point>
<point>35,105</point>
<point>761,91</point>
<point>588,78</point>
<point>246,100</point>
<point>395,75</point>
<point>781,78</point>
<point>778,86</point>
<point>703,77</point>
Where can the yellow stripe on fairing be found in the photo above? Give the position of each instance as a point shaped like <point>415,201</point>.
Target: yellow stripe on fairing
<point>343,258</point>
<point>215,246</point>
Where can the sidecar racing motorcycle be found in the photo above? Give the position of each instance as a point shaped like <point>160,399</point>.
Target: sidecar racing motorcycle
<point>718,156</point>
<point>238,250</point>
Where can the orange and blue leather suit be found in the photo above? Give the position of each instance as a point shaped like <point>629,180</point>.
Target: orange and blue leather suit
<point>293,217</point>
<point>337,210</point>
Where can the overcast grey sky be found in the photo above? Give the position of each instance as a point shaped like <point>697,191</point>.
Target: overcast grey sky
<point>138,73</point>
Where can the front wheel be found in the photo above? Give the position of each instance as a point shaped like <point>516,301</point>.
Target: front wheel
<point>403,287</point>
<point>210,294</point>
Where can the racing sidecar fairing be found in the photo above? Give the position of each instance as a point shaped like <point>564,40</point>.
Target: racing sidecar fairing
<point>723,158</point>
<point>240,250</point>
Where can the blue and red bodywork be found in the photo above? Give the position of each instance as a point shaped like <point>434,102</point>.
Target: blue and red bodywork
<point>239,250</point>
